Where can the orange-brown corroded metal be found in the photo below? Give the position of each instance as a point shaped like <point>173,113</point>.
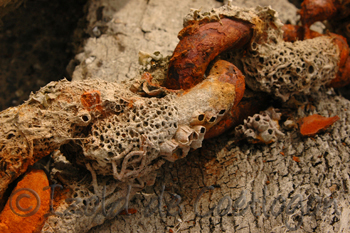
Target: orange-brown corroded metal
<point>28,206</point>
<point>313,124</point>
<point>293,33</point>
<point>250,104</point>
<point>343,76</point>
<point>91,100</point>
<point>229,73</point>
<point>199,45</point>
<point>317,10</point>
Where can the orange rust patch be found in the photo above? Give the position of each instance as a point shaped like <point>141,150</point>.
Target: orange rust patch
<point>293,33</point>
<point>130,211</point>
<point>248,106</point>
<point>199,45</point>
<point>317,10</point>
<point>296,159</point>
<point>313,124</point>
<point>29,202</point>
<point>91,100</point>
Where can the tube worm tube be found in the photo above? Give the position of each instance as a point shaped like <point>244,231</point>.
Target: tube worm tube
<point>199,45</point>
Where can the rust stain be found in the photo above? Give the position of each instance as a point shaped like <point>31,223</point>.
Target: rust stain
<point>27,212</point>
<point>296,159</point>
<point>91,100</point>
<point>199,45</point>
<point>313,124</point>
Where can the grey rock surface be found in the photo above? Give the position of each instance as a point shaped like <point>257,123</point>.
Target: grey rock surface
<point>309,169</point>
<point>120,29</point>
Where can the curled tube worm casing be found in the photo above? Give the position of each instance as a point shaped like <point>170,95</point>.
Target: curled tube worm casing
<point>199,45</point>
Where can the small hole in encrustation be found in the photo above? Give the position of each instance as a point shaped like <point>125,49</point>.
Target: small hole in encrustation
<point>175,125</point>
<point>311,69</point>
<point>85,118</point>
<point>10,135</point>
<point>257,118</point>
<point>110,154</point>
<point>270,131</point>
<point>222,111</point>
<point>101,138</point>
<point>145,123</point>
<point>212,119</point>
<point>201,117</point>
<point>297,70</point>
<point>202,130</point>
<point>261,59</point>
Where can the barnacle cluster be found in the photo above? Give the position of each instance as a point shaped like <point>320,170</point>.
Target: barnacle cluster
<point>261,128</point>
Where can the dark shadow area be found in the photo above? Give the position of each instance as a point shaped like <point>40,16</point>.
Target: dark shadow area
<point>37,41</point>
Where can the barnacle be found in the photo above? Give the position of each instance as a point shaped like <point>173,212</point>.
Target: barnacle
<point>261,128</point>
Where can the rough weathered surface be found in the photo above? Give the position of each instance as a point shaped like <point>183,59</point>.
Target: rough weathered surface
<point>293,165</point>
<point>120,29</point>
<point>321,173</point>
<point>36,45</point>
